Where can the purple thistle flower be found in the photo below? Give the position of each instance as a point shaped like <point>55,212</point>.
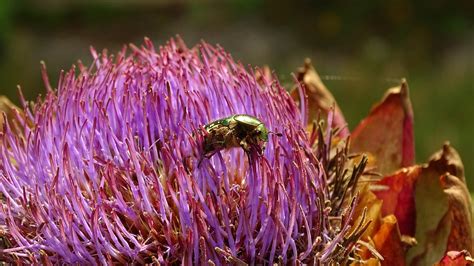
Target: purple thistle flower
<point>106,170</point>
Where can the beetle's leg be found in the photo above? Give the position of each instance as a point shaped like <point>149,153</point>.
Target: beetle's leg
<point>247,146</point>
<point>200,161</point>
<point>207,156</point>
<point>262,149</point>
<point>243,143</point>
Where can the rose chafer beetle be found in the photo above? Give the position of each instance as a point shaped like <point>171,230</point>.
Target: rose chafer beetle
<point>240,130</point>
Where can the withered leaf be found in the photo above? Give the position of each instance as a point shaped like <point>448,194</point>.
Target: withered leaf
<point>263,75</point>
<point>399,197</point>
<point>443,206</point>
<point>387,132</point>
<point>460,212</point>
<point>320,100</point>
<point>448,160</point>
<point>7,107</point>
<point>387,241</point>
<point>367,199</point>
<point>456,258</point>
<point>383,233</point>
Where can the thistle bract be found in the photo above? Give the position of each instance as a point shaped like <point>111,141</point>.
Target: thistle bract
<point>105,169</point>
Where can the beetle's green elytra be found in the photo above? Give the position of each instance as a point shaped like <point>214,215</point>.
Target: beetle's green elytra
<point>241,130</point>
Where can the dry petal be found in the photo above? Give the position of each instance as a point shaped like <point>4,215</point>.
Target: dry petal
<point>387,133</point>
<point>7,107</point>
<point>372,262</point>
<point>448,160</point>
<point>399,198</point>
<point>320,100</point>
<point>443,209</point>
<point>263,75</point>
<point>368,200</point>
<point>388,243</point>
<point>383,233</point>
<point>460,214</point>
<point>456,258</point>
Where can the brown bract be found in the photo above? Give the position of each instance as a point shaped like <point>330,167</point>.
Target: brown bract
<point>388,242</point>
<point>456,258</point>
<point>368,200</point>
<point>399,197</point>
<point>7,107</point>
<point>383,234</point>
<point>418,212</point>
<point>443,208</point>
<point>320,99</point>
<point>430,203</point>
<point>387,132</point>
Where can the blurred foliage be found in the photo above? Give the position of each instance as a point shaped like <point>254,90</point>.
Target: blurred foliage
<point>361,47</point>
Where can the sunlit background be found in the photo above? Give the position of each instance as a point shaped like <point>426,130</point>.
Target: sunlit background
<point>362,47</point>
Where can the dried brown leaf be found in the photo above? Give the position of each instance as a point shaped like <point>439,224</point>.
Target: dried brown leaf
<point>367,199</point>
<point>387,132</point>
<point>399,197</point>
<point>320,100</point>
<point>443,209</point>
<point>8,108</point>
<point>387,241</point>
<point>456,258</point>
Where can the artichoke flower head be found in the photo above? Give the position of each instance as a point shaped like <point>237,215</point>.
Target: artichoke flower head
<point>105,168</point>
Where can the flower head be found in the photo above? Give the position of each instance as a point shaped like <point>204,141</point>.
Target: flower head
<point>106,168</point>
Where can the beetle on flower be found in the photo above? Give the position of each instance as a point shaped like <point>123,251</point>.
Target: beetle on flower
<point>84,181</point>
<point>241,130</point>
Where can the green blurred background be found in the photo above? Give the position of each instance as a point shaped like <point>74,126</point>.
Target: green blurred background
<point>366,44</point>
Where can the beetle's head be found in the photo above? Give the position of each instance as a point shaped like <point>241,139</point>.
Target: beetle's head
<point>261,136</point>
<point>261,133</point>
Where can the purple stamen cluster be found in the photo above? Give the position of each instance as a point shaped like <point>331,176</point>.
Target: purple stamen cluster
<point>105,168</point>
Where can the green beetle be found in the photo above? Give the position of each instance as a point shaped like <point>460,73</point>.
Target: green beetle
<point>240,130</point>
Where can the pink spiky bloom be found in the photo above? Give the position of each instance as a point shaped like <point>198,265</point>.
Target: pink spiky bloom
<point>106,170</point>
